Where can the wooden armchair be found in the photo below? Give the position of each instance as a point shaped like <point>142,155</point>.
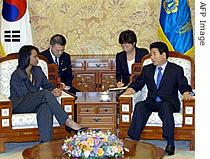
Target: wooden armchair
<point>23,127</point>
<point>184,120</point>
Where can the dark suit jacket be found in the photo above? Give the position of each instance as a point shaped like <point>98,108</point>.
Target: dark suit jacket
<point>21,85</point>
<point>173,80</point>
<point>65,70</point>
<point>122,65</point>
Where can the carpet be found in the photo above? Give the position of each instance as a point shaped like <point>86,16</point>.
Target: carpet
<point>14,150</point>
<point>181,151</point>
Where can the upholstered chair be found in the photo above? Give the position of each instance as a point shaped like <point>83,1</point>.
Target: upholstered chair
<point>23,127</point>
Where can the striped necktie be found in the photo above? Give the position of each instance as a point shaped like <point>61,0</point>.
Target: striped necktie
<point>56,60</point>
<point>159,77</point>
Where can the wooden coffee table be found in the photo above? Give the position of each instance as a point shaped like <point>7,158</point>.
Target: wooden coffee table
<point>95,113</point>
<point>52,150</point>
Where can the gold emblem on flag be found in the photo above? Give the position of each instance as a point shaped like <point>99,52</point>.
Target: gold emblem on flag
<point>171,6</point>
<point>185,27</point>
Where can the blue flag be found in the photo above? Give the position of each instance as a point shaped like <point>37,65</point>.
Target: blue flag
<point>176,27</point>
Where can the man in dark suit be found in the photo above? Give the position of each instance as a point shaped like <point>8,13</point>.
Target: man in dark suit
<point>163,80</point>
<point>130,54</point>
<point>55,54</point>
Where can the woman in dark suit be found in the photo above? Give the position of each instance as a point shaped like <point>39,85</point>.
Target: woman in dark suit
<point>27,97</point>
<point>130,54</point>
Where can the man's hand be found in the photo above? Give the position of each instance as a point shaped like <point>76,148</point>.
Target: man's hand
<point>129,91</point>
<point>120,84</point>
<point>56,92</point>
<point>62,86</point>
<point>187,96</point>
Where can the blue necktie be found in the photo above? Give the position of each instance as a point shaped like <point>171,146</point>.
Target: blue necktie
<point>159,77</point>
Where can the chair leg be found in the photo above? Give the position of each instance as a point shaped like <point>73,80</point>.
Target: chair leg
<point>192,142</point>
<point>2,146</point>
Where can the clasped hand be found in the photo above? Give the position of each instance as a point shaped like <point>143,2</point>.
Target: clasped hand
<point>57,92</point>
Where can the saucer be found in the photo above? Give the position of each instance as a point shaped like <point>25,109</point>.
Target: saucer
<point>105,100</point>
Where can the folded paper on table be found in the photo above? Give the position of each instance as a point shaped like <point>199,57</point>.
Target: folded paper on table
<point>118,89</point>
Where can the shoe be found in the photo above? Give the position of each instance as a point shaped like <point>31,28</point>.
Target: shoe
<point>130,139</point>
<point>69,129</point>
<point>170,150</point>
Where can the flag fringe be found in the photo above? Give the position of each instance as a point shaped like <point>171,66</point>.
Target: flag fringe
<point>2,51</point>
<point>191,52</point>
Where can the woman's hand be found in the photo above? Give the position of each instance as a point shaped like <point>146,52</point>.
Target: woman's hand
<point>56,92</point>
<point>62,86</point>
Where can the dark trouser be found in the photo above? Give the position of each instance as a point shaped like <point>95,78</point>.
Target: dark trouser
<point>141,115</point>
<point>45,105</point>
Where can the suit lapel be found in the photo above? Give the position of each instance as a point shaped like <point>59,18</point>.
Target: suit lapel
<point>152,73</point>
<point>35,79</point>
<point>165,74</point>
<point>50,58</point>
<point>61,61</point>
<point>125,61</point>
<point>137,56</point>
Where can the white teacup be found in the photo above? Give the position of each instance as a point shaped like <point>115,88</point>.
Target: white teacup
<point>105,97</point>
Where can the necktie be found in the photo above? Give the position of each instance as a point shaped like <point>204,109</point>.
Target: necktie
<point>159,77</point>
<point>56,60</point>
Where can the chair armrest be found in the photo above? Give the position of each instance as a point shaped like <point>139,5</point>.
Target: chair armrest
<point>3,98</point>
<point>64,95</point>
<point>136,68</point>
<point>53,75</point>
<point>5,113</point>
<point>189,113</point>
<point>136,71</point>
<point>125,109</point>
<point>67,103</point>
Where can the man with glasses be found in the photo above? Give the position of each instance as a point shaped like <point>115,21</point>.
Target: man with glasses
<point>55,54</point>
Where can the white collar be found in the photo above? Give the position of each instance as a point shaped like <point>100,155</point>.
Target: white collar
<point>162,66</point>
<point>53,56</point>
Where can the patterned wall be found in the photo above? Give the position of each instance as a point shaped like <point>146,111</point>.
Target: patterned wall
<point>93,26</point>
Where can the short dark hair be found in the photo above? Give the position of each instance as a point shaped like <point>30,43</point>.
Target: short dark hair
<point>127,36</point>
<point>161,46</point>
<point>24,55</point>
<point>58,39</point>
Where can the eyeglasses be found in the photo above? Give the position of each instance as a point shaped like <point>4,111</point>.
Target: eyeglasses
<point>127,45</point>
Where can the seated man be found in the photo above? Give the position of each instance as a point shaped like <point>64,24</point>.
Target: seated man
<point>55,54</point>
<point>163,80</point>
